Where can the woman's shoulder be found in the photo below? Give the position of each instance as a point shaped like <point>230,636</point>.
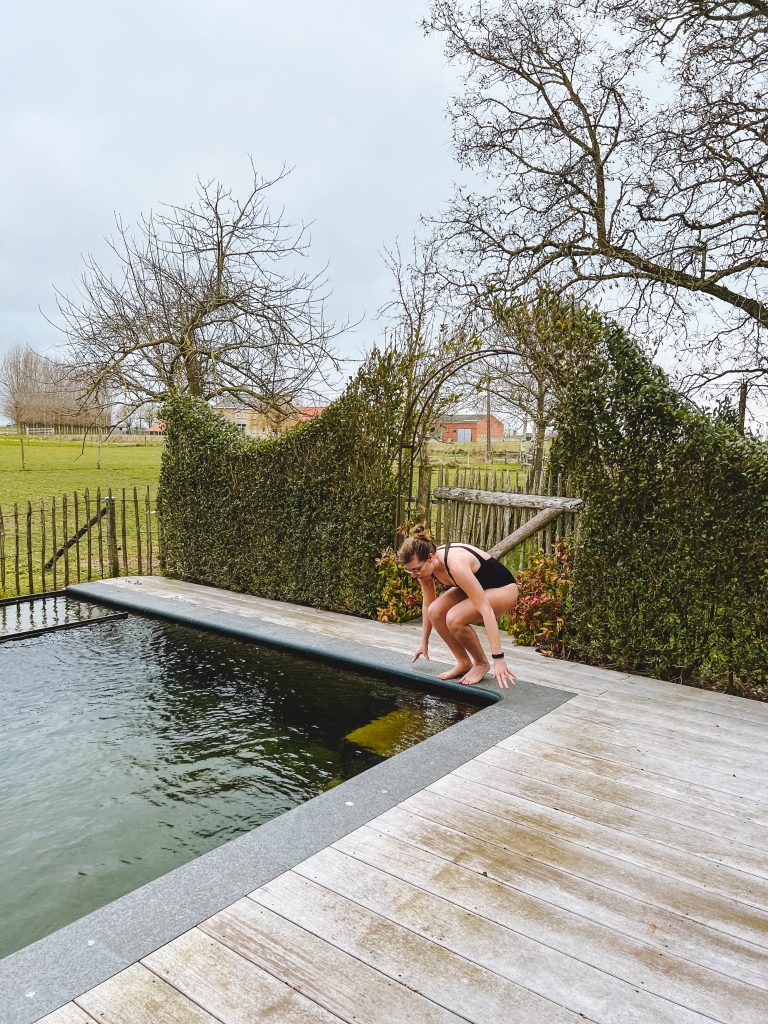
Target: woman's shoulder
<point>469,549</point>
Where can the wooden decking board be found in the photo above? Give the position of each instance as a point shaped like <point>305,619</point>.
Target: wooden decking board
<point>662,808</point>
<point>137,996</point>
<point>652,924</point>
<point>661,973</point>
<point>602,810</point>
<point>750,890</point>
<point>651,884</point>
<point>333,978</point>
<point>607,864</point>
<point>702,700</point>
<point>576,734</point>
<point>69,1014</point>
<point>445,976</point>
<point>645,779</point>
<point>719,751</point>
<point>581,988</point>
<point>230,987</point>
<point>638,707</point>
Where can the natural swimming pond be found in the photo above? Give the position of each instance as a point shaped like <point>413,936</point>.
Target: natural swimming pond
<point>130,747</point>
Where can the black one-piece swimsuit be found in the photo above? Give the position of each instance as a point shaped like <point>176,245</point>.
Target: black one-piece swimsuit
<point>491,574</point>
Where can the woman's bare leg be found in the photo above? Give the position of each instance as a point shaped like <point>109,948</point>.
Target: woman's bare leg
<point>437,616</point>
<point>458,622</point>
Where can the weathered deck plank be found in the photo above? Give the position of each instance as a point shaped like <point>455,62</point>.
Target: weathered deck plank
<point>636,917</point>
<point>137,996</point>
<point>632,793</point>
<point>750,890</point>
<point>318,969</point>
<point>230,987</point>
<point>664,973</point>
<point>651,884</point>
<point>644,776</point>
<point>416,957</point>
<point>333,886</point>
<point>636,751</point>
<point>600,810</point>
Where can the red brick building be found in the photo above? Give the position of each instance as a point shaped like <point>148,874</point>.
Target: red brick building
<point>471,427</point>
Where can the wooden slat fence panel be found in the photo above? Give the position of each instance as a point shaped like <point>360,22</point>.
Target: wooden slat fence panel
<point>73,538</point>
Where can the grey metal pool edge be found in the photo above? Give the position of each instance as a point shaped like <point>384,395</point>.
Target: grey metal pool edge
<point>56,969</point>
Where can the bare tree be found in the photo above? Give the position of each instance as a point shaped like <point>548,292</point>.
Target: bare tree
<point>428,331</point>
<point>19,369</point>
<point>38,391</point>
<point>206,301</point>
<point>596,180</point>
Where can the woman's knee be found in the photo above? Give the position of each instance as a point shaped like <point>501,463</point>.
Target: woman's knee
<point>436,613</point>
<point>454,619</point>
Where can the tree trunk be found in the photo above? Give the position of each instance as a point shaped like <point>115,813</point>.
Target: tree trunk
<point>538,444</point>
<point>488,446</point>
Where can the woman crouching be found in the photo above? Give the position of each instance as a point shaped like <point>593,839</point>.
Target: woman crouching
<point>479,589</point>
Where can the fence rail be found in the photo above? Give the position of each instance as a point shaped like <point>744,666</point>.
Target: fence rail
<point>455,512</point>
<point>73,538</point>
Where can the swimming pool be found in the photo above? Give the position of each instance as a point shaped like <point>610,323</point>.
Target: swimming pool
<point>133,746</point>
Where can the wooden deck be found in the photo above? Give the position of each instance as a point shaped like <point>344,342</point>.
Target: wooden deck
<point>608,863</point>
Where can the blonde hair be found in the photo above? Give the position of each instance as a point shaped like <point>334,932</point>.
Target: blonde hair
<point>418,544</point>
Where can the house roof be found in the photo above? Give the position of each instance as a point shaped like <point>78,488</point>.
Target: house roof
<point>468,417</point>
<point>308,412</point>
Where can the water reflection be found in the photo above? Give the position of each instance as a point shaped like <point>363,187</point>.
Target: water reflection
<point>132,748</point>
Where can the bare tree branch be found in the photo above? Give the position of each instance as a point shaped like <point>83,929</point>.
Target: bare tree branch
<point>204,299</point>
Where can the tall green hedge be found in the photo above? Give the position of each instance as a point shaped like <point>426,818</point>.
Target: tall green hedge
<point>301,517</point>
<point>671,572</point>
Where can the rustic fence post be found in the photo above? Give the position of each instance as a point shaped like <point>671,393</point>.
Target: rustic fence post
<point>17,547</point>
<point>124,534</point>
<point>88,534</point>
<point>138,530</point>
<point>112,552</point>
<point>2,550</point>
<point>77,533</point>
<point>53,542</point>
<point>42,543</point>
<point>65,537</point>
<point>149,531</point>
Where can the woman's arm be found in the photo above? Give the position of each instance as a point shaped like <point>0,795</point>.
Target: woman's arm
<point>427,597</point>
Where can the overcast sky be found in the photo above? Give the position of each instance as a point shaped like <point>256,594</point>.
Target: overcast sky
<point>117,108</point>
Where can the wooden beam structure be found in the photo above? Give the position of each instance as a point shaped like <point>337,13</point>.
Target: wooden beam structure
<point>549,508</point>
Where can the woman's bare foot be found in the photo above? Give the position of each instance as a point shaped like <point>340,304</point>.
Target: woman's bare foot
<point>475,674</point>
<point>458,670</point>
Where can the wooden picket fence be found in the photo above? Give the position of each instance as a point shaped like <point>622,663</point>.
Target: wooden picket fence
<point>461,519</point>
<point>74,538</point>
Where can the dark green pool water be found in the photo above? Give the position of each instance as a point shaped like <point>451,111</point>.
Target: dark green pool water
<point>131,747</point>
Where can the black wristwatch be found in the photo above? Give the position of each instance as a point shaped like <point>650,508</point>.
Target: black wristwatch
<point>502,655</point>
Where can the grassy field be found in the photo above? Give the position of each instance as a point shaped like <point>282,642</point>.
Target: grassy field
<point>56,468</point>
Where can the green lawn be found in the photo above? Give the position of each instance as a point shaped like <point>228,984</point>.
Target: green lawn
<point>54,468</point>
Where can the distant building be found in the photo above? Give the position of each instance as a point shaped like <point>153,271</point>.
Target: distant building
<point>265,424</point>
<point>465,427</point>
<point>157,428</point>
<point>308,412</point>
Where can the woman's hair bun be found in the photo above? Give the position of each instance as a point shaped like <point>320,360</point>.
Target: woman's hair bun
<point>420,530</point>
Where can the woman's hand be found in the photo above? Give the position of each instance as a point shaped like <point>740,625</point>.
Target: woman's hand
<point>422,651</point>
<point>504,675</point>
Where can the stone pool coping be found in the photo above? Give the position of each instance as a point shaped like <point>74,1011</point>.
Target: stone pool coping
<point>45,975</point>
